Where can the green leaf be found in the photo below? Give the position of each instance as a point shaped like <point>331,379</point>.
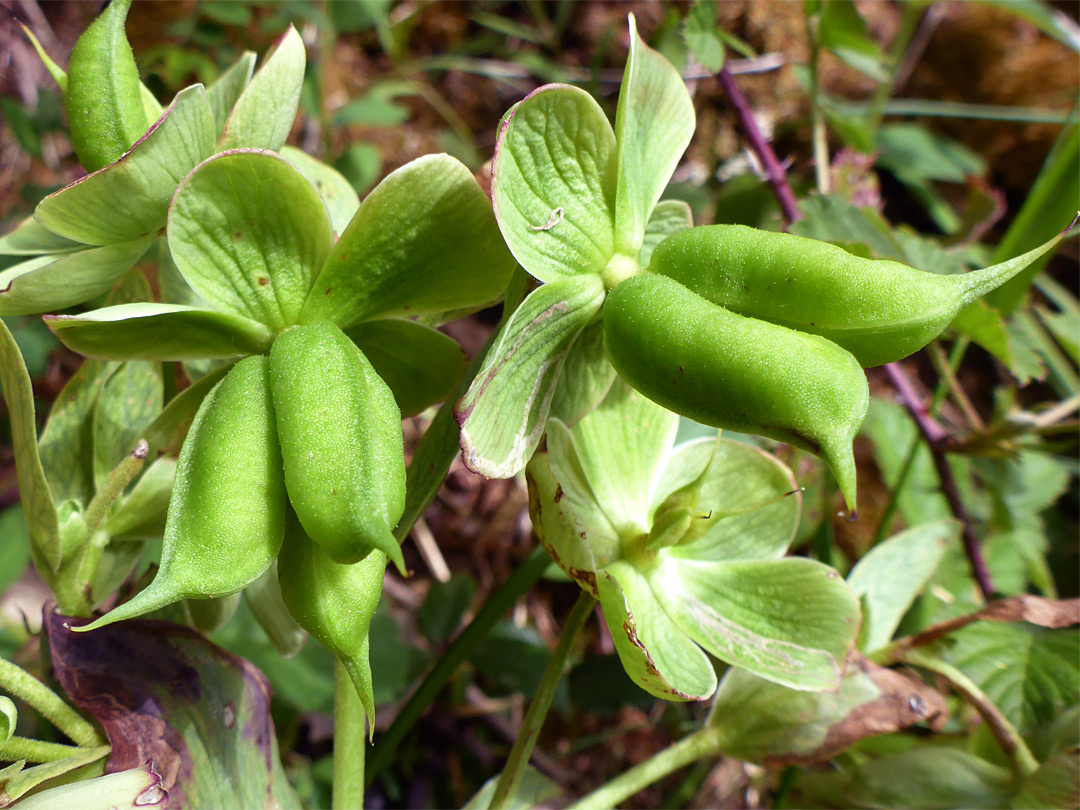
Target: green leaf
<point>49,283</point>
<point>128,403</point>
<point>885,596</point>
<point>1029,672</point>
<point>15,550</point>
<point>587,376</point>
<point>249,233</point>
<point>791,621</point>
<point>152,681</point>
<point>1055,784</point>
<point>504,412</point>
<point>656,654</point>
<point>986,327</point>
<point>913,153</point>
<point>337,193</point>
<point>140,515</point>
<point>553,183</point>
<point>160,332</point>
<point>420,364</point>
<point>444,606</point>
<point>930,777</point>
<point>103,98</point>
<point>132,789</point>
<point>377,107</point>
<point>423,241</point>
<point>225,92</point>
<point>762,722</point>
<point>361,164</point>
<point>34,492</point>
<point>668,217</point>
<point>30,238</point>
<point>264,113</point>
<point>129,199</point>
<point>1044,17</point>
<point>842,31</point>
<point>653,126</point>
<point>701,37</point>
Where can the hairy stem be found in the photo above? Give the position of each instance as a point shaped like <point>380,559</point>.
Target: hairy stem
<point>19,683</point>
<point>538,709</point>
<point>350,738</point>
<point>23,748</point>
<point>703,743</point>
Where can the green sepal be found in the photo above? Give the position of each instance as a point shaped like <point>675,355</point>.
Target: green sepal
<point>8,716</point>
<point>504,412</point>
<point>337,193</point>
<point>226,90</point>
<point>129,401</point>
<point>160,332</point>
<point>140,515</point>
<point>264,598</point>
<point>553,183</point>
<point>587,376</point>
<point>129,199</point>
<point>423,241</point>
<point>31,238</point>
<point>668,217</point>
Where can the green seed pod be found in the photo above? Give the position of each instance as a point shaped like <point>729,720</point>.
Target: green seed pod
<point>724,370</point>
<point>880,311</point>
<point>340,433</point>
<point>104,97</point>
<point>227,513</point>
<point>333,602</point>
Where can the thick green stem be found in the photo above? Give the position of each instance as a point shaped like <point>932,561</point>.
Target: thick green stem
<point>19,683</point>
<point>516,585</point>
<point>538,709</point>
<point>1006,734</point>
<point>18,748</point>
<point>704,743</point>
<point>350,739</point>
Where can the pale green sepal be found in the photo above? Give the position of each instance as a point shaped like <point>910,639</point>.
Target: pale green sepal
<point>669,217</point>
<point>49,283</point>
<point>885,593</point>
<point>166,433</point>
<point>210,615</point>
<point>653,126</point>
<point>8,717</point>
<point>587,376</point>
<point>265,110</point>
<point>656,654</point>
<point>34,492</point>
<point>152,108</point>
<point>140,515</point>
<point>129,401</point>
<point>249,233</point>
<point>23,781</point>
<point>421,365</point>
<point>338,193</point>
<point>553,183</point>
<point>792,621</point>
<point>135,789</point>
<point>263,596</point>
<point>159,332</point>
<point>226,89</point>
<point>503,414</point>
<point>31,238</point>
<point>423,241</point>
<point>129,199</point>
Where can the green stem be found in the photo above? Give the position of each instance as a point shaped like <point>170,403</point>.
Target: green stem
<point>698,745</point>
<point>19,683</point>
<point>817,113</point>
<point>1006,734</point>
<point>538,709</point>
<point>35,750</point>
<point>350,739</point>
<point>516,585</point>
<point>909,21</point>
<point>116,482</point>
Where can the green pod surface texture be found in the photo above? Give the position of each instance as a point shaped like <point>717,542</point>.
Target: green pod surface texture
<point>743,374</point>
<point>104,97</point>
<point>227,512</point>
<point>333,602</point>
<point>880,311</point>
<point>341,443</point>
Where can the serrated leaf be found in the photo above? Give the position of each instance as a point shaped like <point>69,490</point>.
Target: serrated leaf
<point>423,241</point>
<point>699,31</point>
<point>765,723</point>
<point>986,327</point>
<point>249,233</point>
<point>653,126</point>
<point>31,238</point>
<point>128,402</point>
<point>50,283</point>
<point>553,183</point>
<point>668,217</point>
<point>265,110</point>
<point>1030,673</point>
<point>886,596</point>
<point>946,778</point>
<point>420,364</point>
<point>129,199</point>
<point>225,92</point>
<point>160,332</point>
<point>34,492</point>
<point>337,193</point>
<point>519,376</point>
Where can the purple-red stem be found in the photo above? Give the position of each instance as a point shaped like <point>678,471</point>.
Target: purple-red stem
<point>937,438</point>
<point>774,170</point>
